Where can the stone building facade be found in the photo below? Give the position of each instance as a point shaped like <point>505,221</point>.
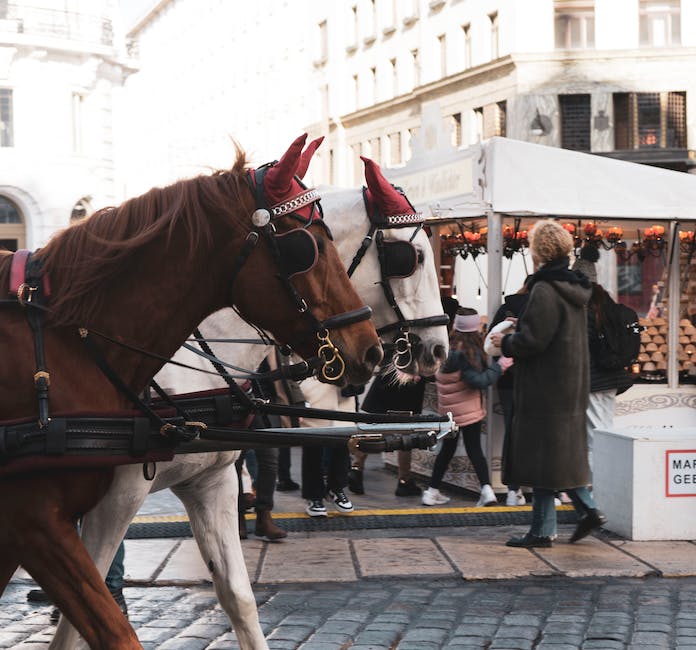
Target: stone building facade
<point>60,72</point>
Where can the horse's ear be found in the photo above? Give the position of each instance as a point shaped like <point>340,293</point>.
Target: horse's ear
<point>278,181</point>
<point>390,201</point>
<point>306,156</point>
<point>382,190</point>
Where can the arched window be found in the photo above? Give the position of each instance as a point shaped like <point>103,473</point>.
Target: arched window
<point>81,209</point>
<point>12,234</point>
<point>9,212</point>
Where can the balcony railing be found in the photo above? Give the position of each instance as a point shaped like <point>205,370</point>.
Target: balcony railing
<point>35,21</point>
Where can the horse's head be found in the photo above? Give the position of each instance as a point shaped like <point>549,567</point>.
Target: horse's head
<point>396,274</point>
<point>312,305</point>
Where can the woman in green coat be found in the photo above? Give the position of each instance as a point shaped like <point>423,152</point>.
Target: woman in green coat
<point>547,448</point>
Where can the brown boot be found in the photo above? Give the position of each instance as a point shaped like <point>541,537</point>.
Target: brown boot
<point>242,525</point>
<point>266,528</point>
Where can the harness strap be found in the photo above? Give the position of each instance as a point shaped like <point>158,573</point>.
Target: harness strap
<point>31,294</point>
<point>388,291</point>
<point>360,253</point>
<point>247,247</point>
<point>165,428</point>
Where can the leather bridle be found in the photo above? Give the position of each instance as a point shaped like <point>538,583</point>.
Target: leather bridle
<point>403,344</point>
<point>332,364</point>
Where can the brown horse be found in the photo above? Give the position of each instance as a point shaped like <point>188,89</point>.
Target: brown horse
<point>146,273</point>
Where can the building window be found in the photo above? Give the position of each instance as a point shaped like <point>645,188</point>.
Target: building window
<point>322,42</point>
<point>11,226</point>
<point>574,24</point>
<point>466,33</point>
<point>456,129</point>
<point>373,84</point>
<point>650,120</point>
<point>660,23</point>
<point>376,150</point>
<point>495,35</point>
<point>358,177</point>
<point>6,119</point>
<point>412,136</point>
<point>394,77</point>
<point>77,100</point>
<point>81,209</point>
<point>490,121</point>
<point>352,40</point>
<point>442,45</point>
<point>575,122</point>
<point>9,212</point>
<point>395,149</point>
<point>409,12</point>
<point>388,16</point>
<point>416,68</point>
<point>370,21</point>
<point>477,125</point>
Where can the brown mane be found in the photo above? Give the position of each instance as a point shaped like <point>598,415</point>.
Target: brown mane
<point>88,254</point>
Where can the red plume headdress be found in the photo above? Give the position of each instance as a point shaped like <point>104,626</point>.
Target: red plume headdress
<point>387,205</point>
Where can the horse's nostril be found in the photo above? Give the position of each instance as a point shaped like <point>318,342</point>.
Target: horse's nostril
<point>439,352</point>
<point>374,355</point>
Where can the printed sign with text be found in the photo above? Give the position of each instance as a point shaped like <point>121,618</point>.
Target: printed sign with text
<point>680,474</point>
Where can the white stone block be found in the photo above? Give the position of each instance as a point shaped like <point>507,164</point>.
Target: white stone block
<point>645,481</point>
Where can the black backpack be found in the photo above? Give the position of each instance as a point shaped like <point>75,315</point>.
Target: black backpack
<point>619,337</point>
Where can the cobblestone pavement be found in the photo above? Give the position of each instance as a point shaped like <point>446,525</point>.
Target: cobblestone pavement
<point>555,613</point>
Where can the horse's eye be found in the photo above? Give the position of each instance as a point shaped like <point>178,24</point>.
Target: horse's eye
<point>421,257</point>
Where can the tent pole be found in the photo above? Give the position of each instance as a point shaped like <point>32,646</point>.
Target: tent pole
<point>494,222</point>
<point>494,258</point>
<point>673,304</point>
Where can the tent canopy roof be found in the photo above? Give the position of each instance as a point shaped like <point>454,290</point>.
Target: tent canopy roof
<point>524,178</point>
<point>520,178</point>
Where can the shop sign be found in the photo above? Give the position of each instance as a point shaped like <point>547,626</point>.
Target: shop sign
<point>680,472</point>
<point>438,183</point>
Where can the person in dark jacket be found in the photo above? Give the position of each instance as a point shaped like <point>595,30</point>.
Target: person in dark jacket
<point>605,384</point>
<point>512,307</point>
<point>384,395</point>
<point>548,446</point>
<point>461,383</point>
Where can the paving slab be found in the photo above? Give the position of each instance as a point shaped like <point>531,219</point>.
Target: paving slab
<point>400,556</point>
<point>320,559</point>
<point>185,565</point>
<point>671,559</point>
<point>592,557</point>
<point>145,557</point>
<point>479,560</point>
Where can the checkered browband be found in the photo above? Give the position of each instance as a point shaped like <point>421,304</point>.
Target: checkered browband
<point>404,219</point>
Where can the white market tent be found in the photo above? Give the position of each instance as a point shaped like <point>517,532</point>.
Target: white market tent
<point>524,178</point>
<point>509,177</point>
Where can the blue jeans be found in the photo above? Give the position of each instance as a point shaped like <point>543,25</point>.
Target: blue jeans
<point>114,578</point>
<point>544,510</point>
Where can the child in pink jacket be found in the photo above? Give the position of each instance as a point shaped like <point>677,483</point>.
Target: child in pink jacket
<point>461,385</point>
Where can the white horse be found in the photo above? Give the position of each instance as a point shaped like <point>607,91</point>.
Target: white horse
<point>206,483</point>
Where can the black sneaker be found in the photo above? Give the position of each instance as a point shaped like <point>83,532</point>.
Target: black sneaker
<point>530,541</point>
<point>316,508</point>
<point>407,488</point>
<point>287,485</point>
<point>355,481</point>
<point>587,523</point>
<point>341,501</point>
